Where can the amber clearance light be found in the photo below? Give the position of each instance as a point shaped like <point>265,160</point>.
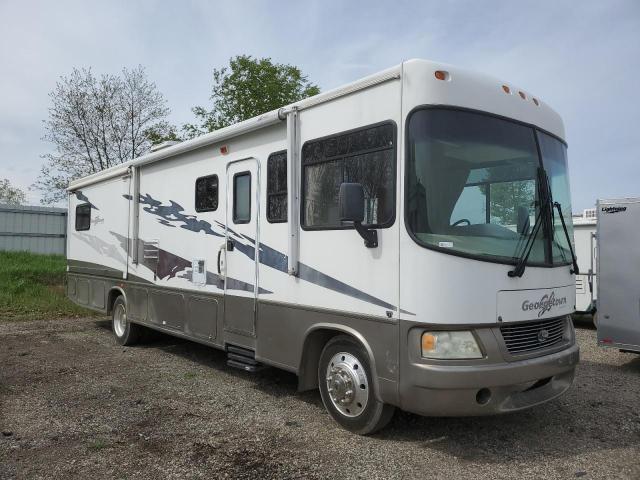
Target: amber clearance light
<point>428,342</point>
<point>441,75</point>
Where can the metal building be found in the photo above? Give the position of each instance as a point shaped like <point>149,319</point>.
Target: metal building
<point>33,229</point>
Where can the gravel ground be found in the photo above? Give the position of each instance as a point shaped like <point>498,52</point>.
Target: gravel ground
<point>75,405</point>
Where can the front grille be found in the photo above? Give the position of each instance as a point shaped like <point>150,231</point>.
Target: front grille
<point>530,336</point>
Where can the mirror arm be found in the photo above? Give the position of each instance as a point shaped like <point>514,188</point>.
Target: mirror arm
<point>370,236</point>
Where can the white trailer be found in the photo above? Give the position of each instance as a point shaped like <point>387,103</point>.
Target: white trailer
<point>618,240</point>
<point>584,231</point>
<point>397,242</point>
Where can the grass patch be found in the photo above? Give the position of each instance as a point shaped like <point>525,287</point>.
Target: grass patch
<point>32,287</point>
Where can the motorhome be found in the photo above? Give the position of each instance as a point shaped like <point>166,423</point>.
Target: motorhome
<point>618,237</point>
<point>584,232</point>
<point>396,242</point>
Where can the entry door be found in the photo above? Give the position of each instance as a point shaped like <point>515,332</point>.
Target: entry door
<point>241,261</point>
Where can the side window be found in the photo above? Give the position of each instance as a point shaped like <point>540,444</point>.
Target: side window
<point>242,197</point>
<point>277,187</point>
<point>207,193</point>
<point>366,156</point>
<point>83,217</point>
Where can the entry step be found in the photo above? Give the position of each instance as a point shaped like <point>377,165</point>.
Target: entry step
<point>243,358</point>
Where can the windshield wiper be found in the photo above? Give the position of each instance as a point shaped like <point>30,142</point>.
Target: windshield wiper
<point>544,193</point>
<point>574,260</point>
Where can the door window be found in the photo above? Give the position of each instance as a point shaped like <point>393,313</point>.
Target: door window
<point>242,197</point>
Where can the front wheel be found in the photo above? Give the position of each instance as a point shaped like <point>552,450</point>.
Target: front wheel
<point>346,387</point>
<point>126,333</point>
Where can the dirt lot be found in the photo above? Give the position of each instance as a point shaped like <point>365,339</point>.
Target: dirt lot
<point>75,405</point>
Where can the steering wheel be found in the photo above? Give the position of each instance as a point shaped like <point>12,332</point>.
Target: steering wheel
<point>462,220</point>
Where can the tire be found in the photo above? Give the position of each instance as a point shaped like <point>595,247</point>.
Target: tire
<point>126,333</point>
<point>344,367</point>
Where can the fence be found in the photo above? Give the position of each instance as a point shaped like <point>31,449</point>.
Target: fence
<point>33,229</point>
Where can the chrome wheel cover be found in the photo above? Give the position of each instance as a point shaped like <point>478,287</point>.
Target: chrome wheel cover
<point>347,384</point>
<point>120,320</point>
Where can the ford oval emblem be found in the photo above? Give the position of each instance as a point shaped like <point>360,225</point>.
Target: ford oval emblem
<point>543,335</point>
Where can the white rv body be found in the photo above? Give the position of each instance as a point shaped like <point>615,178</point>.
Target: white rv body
<point>584,232</point>
<point>618,259</point>
<point>198,275</point>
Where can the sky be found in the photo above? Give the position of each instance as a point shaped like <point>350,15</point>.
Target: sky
<point>581,57</point>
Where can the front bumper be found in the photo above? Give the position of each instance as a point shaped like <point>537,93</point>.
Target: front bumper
<point>485,388</point>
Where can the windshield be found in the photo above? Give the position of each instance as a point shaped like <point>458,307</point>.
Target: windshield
<point>554,159</point>
<point>472,185</point>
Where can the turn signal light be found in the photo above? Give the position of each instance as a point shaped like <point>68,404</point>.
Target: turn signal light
<point>428,342</point>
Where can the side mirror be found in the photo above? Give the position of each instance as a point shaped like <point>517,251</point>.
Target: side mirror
<point>352,210</point>
<point>351,202</point>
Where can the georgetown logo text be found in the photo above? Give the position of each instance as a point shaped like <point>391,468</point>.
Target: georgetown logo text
<point>545,304</point>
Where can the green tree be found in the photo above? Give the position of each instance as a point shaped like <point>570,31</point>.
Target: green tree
<point>10,195</point>
<point>246,88</point>
<point>511,187</point>
<point>162,132</point>
<point>507,197</point>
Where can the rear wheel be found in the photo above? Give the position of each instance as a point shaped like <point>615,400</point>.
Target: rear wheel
<point>346,387</point>
<point>126,333</point>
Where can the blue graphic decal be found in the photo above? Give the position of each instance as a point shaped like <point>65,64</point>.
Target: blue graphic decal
<point>172,214</point>
<point>82,197</point>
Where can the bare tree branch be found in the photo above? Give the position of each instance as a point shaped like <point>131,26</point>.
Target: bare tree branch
<point>95,123</point>
<point>10,195</point>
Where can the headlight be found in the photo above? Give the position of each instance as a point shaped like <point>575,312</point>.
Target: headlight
<point>450,345</point>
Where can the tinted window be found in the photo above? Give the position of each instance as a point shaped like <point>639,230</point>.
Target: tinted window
<point>472,184</point>
<point>277,187</point>
<point>554,157</point>
<point>207,193</point>
<point>83,217</point>
<point>365,156</point>
<point>242,197</point>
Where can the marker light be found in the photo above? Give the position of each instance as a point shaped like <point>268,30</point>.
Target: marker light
<point>428,342</point>
<point>450,345</point>
<point>506,89</point>
<point>224,150</point>
<point>535,100</point>
<point>442,75</point>
<point>522,95</point>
